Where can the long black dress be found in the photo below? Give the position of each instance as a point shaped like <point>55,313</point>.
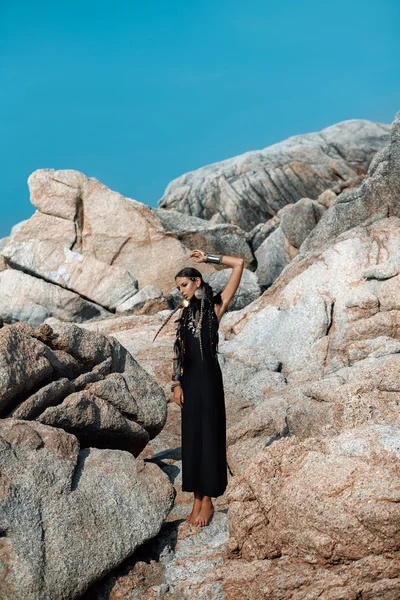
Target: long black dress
<point>203,423</point>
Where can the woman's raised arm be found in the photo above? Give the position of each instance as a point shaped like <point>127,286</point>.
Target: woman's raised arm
<point>237,265</point>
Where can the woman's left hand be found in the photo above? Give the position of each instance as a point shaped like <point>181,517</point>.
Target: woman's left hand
<point>197,255</point>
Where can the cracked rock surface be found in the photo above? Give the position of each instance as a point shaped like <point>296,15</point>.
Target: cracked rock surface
<point>69,515</point>
<point>251,188</point>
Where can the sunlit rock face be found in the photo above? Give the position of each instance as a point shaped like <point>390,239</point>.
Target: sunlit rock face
<point>251,188</point>
<point>69,515</point>
<point>81,381</point>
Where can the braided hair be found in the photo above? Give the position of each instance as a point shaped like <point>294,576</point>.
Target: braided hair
<point>207,305</point>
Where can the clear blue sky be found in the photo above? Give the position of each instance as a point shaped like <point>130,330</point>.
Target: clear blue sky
<point>137,93</point>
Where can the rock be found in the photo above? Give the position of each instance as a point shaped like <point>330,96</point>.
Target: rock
<point>27,298</point>
<point>327,198</point>
<point>52,393</point>
<point>105,285</point>
<point>83,382</point>
<point>289,335</point>
<point>297,223</point>
<point>23,366</point>
<point>288,579</point>
<point>209,236</point>
<point>108,227</point>
<point>272,257</point>
<point>3,264</point>
<point>250,188</point>
<point>374,199</point>
<point>334,501</point>
<point>333,278</point>
<point>95,422</point>
<point>247,291</point>
<point>149,292</point>
<point>250,375</point>
<point>68,516</point>
<point>260,232</point>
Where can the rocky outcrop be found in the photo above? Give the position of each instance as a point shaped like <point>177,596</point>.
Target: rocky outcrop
<point>81,381</point>
<point>27,298</point>
<point>247,291</point>
<point>209,236</point>
<point>69,515</point>
<point>311,377</point>
<point>375,199</point>
<point>332,504</point>
<point>89,252</point>
<point>251,188</point>
<point>92,240</point>
<point>312,508</point>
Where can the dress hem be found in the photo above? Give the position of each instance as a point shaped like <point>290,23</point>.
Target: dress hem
<point>204,493</point>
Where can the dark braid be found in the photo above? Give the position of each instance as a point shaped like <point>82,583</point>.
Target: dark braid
<point>167,320</point>
<point>207,304</point>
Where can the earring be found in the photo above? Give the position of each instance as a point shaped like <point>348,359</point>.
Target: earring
<point>199,293</point>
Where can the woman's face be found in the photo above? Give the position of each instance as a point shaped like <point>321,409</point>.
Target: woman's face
<point>187,287</point>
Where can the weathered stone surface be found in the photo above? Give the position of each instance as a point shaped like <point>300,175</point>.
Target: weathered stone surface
<point>247,291</point>
<point>3,264</point>
<point>250,188</point>
<point>23,366</point>
<point>209,236</point>
<point>272,257</point>
<point>57,193</point>
<point>95,422</point>
<point>84,382</point>
<point>327,198</point>
<point>52,393</point>
<point>288,579</point>
<point>333,278</point>
<point>131,237</point>
<point>334,500</point>
<point>68,516</point>
<point>149,292</point>
<point>27,298</point>
<point>103,284</point>
<point>95,242</point>
<point>375,199</point>
<point>298,222</point>
<point>260,232</point>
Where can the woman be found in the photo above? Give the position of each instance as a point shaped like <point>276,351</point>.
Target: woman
<point>197,383</point>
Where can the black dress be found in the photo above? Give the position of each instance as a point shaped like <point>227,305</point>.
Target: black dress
<point>203,423</point>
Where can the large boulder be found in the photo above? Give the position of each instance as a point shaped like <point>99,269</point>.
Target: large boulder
<point>376,198</point>
<point>272,257</point>
<point>81,381</point>
<point>248,290</point>
<point>67,515</point>
<point>322,502</point>
<point>322,309</point>
<point>80,220</point>
<point>252,187</point>
<point>104,284</point>
<point>209,236</point>
<point>27,298</point>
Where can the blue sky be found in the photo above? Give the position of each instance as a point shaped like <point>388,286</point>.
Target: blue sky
<point>135,94</point>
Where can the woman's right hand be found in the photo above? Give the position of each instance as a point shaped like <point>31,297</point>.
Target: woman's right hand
<point>178,396</point>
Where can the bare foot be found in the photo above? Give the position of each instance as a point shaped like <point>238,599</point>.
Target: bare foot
<point>195,510</point>
<point>205,513</point>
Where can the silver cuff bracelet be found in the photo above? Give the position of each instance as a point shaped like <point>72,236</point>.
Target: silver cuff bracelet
<point>213,258</point>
